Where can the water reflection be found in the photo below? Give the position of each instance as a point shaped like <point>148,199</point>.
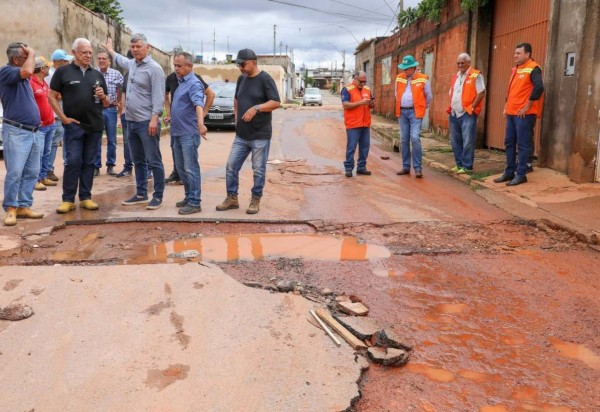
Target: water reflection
<point>251,247</point>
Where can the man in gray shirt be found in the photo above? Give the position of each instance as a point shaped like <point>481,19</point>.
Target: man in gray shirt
<point>143,108</point>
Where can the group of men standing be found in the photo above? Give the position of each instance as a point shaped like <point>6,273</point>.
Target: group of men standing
<point>467,90</point>
<point>85,101</point>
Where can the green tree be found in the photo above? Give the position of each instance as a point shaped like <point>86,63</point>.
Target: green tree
<point>432,9</point>
<point>111,8</point>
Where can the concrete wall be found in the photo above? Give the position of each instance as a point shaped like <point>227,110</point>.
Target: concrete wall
<point>47,25</point>
<point>366,54</point>
<point>212,73</point>
<point>571,124</point>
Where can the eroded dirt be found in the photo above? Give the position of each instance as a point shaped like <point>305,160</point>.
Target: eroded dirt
<point>500,318</point>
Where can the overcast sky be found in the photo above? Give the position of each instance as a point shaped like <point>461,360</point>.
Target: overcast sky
<point>317,37</point>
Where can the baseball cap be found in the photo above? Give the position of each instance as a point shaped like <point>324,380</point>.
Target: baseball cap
<point>245,54</point>
<point>60,54</point>
<point>41,62</point>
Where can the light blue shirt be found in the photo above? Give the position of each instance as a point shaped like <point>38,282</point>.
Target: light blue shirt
<point>407,97</point>
<point>188,95</point>
<point>145,88</point>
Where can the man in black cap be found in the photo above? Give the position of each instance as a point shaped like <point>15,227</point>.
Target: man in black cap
<point>256,96</point>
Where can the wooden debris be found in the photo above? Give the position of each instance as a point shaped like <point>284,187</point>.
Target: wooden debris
<point>325,328</point>
<point>348,337</point>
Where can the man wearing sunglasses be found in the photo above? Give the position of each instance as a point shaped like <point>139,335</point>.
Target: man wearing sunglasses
<point>357,102</point>
<point>256,96</point>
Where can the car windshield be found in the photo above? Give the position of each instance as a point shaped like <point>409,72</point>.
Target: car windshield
<point>313,90</point>
<point>227,92</point>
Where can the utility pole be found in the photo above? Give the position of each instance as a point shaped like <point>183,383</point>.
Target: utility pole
<point>188,31</point>
<point>344,66</point>
<point>214,45</point>
<point>401,8</point>
<point>274,39</point>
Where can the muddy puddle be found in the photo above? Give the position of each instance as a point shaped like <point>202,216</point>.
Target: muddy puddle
<point>259,246</point>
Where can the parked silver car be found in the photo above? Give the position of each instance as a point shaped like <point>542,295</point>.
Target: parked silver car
<point>312,95</point>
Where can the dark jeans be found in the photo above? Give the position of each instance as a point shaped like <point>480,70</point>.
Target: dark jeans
<point>128,163</point>
<point>80,147</point>
<point>145,148</point>
<point>110,128</point>
<point>361,137</point>
<point>531,144</point>
<point>518,133</point>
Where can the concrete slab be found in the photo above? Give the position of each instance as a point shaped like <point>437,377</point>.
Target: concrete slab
<point>164,337</point>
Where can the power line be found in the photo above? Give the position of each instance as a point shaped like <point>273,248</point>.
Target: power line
<point>331,13</point>
<point>359,8</point>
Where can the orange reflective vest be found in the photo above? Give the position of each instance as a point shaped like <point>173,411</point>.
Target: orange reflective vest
<point>519,90</point>
<point>359,116</point>
<point>417,86</point>
<point>469,92</point>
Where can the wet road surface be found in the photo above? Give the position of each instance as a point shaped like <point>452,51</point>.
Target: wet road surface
<point>504,315</point>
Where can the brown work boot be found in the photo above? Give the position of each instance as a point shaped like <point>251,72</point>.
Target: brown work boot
<point>48,182</point>
<point>40,186</point>
<point>52,176</point>
<point>11,216</point>
<point>231,202</point>
<point>254,206</point>
<point>27,213</point>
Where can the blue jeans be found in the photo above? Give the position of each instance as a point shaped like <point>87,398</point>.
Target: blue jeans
<point>463,136</point>
<point>360,136</point>
<point>46,135</point>
<point>80,146</point>
<point>516,139</point>
<point>410,135</point>
<point>22,161</point>
<point>240,149</point>
<point>185,150</point>
<point>59,132</point>
<point>145,148</point>
<point>110,127</point>
<point>126,154</point>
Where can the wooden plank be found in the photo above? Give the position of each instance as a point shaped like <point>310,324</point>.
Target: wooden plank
<point>344,333</point>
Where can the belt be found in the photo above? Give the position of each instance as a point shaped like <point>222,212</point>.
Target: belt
<point>407,108</point>
<point>21,126</point>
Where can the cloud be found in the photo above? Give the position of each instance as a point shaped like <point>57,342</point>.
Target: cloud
<point>215,27</point>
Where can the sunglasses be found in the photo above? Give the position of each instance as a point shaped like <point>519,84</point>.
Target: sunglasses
<point>362,81</point>
<point>460,63</point>
<point>242,65</point>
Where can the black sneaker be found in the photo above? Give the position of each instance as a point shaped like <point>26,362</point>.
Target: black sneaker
<point>154,204</point>
<point>188,210</point>
<point>173,177</point>
<point>110,170</point>
<point>135,200</point>
<point>181,203</point>
<point>124,173</point>
<point>363,172</point>
<point>96,172</point>
<point>348,173</point>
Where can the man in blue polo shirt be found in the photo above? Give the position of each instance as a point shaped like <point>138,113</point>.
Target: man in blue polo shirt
<point>187,124</point>
<point>22,143</point>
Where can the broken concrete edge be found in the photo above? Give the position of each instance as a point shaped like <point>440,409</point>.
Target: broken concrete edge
<point>181,220</point>
<point>381,338</point>
<point>388,356</point>
<point>586,236</point>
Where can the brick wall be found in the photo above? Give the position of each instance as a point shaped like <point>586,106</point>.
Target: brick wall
<point>445,40</point>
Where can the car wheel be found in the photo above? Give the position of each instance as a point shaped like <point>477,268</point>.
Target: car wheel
<point>320,104</point>
<point>303,104</point>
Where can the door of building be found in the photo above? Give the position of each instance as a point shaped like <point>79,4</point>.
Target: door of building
<point>428,70</point>
<point>514,22</point>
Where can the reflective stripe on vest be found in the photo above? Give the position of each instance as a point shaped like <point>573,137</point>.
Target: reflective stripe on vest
<point>519,90</point>
<point>469,91</point>
<point>360,116</point>
<point>417,87</point>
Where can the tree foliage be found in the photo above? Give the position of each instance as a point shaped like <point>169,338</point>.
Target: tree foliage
<point>432,9</point>
<point>111,8</point>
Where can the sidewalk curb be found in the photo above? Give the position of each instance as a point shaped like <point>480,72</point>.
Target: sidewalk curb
<point>588,236</point>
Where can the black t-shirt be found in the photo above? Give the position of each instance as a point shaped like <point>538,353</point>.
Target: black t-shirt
<point>78,96</point>
<point>249,92</point>
<point>171,83</point>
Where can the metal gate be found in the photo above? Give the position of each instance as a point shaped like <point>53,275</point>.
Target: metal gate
<point>514,22</point>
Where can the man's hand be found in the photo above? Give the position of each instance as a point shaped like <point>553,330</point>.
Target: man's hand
<point>202,129</point>
<point>108,45</point>
<point>153,126</point>
<point>249,115</point>
<point>167,119</point>
<point>27,50</point>
<point>69,120</point>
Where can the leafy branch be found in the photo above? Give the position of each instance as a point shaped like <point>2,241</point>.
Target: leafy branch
<point>432,9</point>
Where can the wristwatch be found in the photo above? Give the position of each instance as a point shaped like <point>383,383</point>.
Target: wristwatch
<point>257,108</point>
